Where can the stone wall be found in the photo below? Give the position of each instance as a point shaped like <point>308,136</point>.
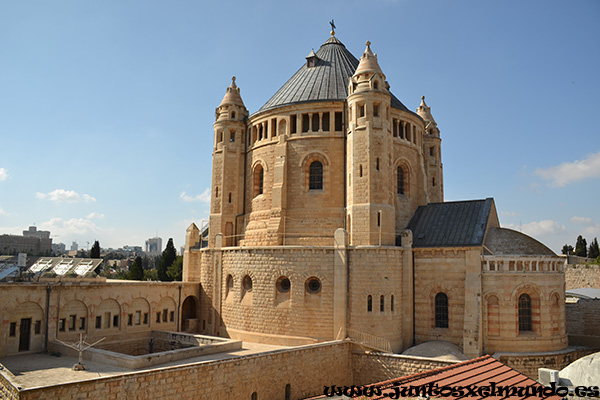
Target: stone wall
<point>583,324</point>
<point>582,276</point>
<point>64,310</point>
<point>439,271</point>
<point>267,374</point>
<point>233,309</point>
<point>501,315</point>
<point>372,368</point>
<point>8,387</point>
<point>529,364</point>
<point>376,273</point>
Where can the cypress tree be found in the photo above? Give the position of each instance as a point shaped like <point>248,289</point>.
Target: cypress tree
<point>169,255</point>
<point>581,247</point>
<point>594,249</point>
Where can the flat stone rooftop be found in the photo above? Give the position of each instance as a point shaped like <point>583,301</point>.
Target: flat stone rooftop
<point>39,370</point>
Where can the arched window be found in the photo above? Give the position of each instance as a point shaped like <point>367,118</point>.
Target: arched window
<point>392,303</point>
<point>382,303</point>
<point>288,392</point>
<point>369,303</point>
<point>441,310</point>
<point>259,176</point>
<point>315,176</point>
<point>524,313</point>
<point>400,180</point>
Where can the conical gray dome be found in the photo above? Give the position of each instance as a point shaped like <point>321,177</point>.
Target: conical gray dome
<point>326,80</point>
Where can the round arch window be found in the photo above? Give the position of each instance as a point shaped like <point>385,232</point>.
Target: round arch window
<point>283,284</point>
<point>247,283</point>
<point>313,285</point>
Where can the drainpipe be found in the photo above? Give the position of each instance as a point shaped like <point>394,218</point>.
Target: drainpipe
<point>46,322</point>
<point>179,309</point>
<point>413,299</point>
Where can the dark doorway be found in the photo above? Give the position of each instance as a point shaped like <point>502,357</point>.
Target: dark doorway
<point>189,314</point>
<point>24,334</point>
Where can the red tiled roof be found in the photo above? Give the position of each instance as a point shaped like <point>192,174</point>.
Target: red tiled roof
<point>473,374</point>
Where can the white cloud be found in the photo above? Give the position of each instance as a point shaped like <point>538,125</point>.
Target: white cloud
<point>540,228</point>
<point>88,199</point>
<point>569,172</point>
<point>3,174</point>
<point>95,216</point>
<point>2,212</point>
<point>64,196</point>
<point>203,197</point>
<point>581,220</point>
<point>71,227</point>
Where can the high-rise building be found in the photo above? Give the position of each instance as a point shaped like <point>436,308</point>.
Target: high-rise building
<point>154,246</point>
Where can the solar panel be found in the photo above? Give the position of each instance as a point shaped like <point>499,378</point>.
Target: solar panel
<point>41,265</point>
<point>63,267</point>
<point>84,267</point>
<point>8,270</point>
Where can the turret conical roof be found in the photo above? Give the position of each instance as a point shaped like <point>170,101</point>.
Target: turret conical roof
<point>232,96</point>
<point>327,80</point>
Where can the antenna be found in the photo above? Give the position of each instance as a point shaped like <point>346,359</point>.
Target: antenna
<point>80,346</point>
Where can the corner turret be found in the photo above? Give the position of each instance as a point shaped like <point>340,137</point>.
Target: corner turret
<point>228,165</point>
<point>432,149</point>
<point>370,210</point>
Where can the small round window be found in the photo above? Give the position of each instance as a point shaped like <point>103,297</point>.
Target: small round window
<point>283,284</point>
<point>313,285</point>
<point>247,283</point>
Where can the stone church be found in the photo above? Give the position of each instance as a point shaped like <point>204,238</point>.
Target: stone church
<point>328,220</point>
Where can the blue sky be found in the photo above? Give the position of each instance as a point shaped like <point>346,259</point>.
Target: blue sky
<point>106,107</point>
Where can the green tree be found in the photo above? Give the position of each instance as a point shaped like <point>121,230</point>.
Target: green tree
<point>169,255</point>
<point>581,247</point>
<point>95,251</point>
<point>175,271</point>
<point>594,249</point>
<point>567,249</point>
<point>136,272</point>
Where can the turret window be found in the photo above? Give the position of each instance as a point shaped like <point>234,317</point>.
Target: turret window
<point>315,178</point>
<point>339,125</point>
<point>376,109</point>
<point>305,122</point>
<point>232,136</point>
<point>258,180</point>
<point>369,303</point>
<point>325,122</point>
<point>293,123</point>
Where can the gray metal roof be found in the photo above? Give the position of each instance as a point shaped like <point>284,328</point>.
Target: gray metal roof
<point>460,223</point>
<point>584,293</point>
<point>502,241</point>
<point>326,81</point>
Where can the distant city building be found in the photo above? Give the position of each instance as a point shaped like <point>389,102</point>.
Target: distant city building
<point>126,251</point>
<point>154,246</point>
<point>33,232</point>
<point>59,248</point>
<point>74,246</point>
<point>32,241</point>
